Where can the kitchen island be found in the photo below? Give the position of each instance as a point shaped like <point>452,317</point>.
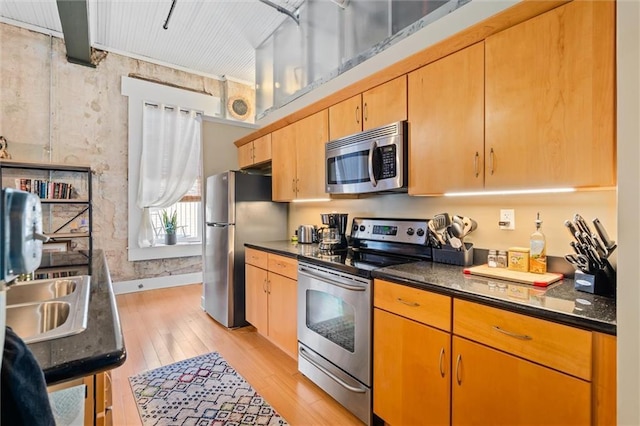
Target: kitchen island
<point>98,348</point>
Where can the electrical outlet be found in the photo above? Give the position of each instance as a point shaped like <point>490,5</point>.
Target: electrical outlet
<point>507,219</point>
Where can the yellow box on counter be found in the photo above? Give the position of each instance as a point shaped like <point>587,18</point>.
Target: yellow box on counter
<point>518,259</point>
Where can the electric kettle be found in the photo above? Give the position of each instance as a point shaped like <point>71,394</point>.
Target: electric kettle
<point>307,234</point>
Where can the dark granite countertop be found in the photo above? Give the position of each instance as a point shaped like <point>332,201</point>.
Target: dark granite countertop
<point>98,348</point>
<point>560,302</point>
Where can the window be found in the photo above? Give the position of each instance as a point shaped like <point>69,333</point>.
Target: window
<point>139,92</point>
<point>189,213</point>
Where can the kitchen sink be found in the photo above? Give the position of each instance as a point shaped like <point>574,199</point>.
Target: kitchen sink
<point>38,291</point>
<point>48,309</point>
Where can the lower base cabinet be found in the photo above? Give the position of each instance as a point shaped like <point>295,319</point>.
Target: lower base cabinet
<point>97,398</point>
<point>271,293</point>
<point>492,387</point>
<point>411,374</point>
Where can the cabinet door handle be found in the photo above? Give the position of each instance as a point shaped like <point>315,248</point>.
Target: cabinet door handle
<point>268,286</point>
<point>475,163</point>
<point>365,110</point>
<point>264,285</point>
<point>442,372</point>
<point>458,364</point>
<point>512,334</point>
<point>404,302</point>
<point>293,185</point>
<point>491,160</point>
<point>358,114</point>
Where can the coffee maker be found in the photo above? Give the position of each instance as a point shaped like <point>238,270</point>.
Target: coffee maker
<point>333,238</point>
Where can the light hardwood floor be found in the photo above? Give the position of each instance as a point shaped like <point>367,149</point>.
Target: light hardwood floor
<point>167,325</point>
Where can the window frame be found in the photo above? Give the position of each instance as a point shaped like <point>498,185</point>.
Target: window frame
<point>138,92</point>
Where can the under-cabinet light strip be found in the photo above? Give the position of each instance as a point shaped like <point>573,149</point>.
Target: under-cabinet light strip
<point>511,192</point>
<point>311,200</point>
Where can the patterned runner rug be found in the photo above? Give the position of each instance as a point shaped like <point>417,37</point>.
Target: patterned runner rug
<point>200,391</point>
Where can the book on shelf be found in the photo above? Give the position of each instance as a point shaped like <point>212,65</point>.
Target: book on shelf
<point>49,190</point>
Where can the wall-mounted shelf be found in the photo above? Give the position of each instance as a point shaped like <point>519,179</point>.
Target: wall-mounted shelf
<point>66,197</point>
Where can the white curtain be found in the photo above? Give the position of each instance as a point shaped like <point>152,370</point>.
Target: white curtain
<point>169,162</point>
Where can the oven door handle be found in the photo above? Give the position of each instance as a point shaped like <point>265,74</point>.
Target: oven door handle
<point>372,176</point>
<point>330,281</point>
<point>303,353</point>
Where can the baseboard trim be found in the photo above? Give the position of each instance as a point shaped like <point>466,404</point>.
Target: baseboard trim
<point>144,284</point>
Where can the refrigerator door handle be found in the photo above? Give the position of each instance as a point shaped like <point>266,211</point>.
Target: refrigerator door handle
<point>218,225</point>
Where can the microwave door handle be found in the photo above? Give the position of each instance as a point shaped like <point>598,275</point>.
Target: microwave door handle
<point>372,176</point>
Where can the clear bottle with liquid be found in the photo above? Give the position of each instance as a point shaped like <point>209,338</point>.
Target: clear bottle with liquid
<point>538,250</point>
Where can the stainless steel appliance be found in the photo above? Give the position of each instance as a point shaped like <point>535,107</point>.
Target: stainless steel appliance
<point>307,234</point>
<point>238,209</point>
<point>335,307</point>
<point>20,242</point>
<point>371,161</point>
<point>333,238</point>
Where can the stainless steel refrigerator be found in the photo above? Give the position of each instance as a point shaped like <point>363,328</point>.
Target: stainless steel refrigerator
<point>238,209</point>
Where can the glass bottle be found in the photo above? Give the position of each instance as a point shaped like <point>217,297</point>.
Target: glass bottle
<point>538,249</point>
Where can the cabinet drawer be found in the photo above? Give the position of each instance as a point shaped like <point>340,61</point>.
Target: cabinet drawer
<point>554,345</point>
<point>282,265</point>
<point>256,258</point>
<point>419,305</point>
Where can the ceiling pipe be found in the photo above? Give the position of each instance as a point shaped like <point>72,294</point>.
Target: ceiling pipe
<point>166,22</point>
<point>282,10</point>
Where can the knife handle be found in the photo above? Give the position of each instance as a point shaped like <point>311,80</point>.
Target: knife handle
<point>571,227</point>
<point>602,232</point>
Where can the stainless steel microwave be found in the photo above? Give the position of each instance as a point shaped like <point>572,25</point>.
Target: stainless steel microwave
<point>371,161</point>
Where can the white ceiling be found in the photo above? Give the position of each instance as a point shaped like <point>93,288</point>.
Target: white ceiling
<point>211,37</point>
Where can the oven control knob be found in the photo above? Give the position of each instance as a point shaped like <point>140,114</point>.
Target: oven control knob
<point>362,228</point>
<point>410,231</point>
<point>355,227</point>
<point>420,232</point>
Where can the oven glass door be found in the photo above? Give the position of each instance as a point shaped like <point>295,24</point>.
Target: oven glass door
<point>335,319</point>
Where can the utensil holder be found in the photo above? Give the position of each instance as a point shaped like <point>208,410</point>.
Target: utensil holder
<point>602,283</point>
<point>449,255</point>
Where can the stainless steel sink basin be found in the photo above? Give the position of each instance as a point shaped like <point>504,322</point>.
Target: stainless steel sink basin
<point>38,291</point>
<point>48,309</point>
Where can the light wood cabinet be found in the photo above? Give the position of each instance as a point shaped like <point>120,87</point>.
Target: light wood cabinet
<point>549,101</point>
<point>384,104</point>
<point>412,359</point>
<point>411,369</point>
<point>446,116</point>
<point>493,387</point>
<point>271,298</point>
<point>498,367</point>
<point>255,152</point>
<point>98,400</point>
<point>298,170</point>
<point>604,385</point>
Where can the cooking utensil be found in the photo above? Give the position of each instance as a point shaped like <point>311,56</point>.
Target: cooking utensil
<point>602,232</point>
<point>470,225</point>
<point>441,222</point>
<point>581,224</point>
<point>454,241</point>
<point>436,239</point>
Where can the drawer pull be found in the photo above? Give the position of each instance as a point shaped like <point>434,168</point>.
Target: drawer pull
<point>412,304</point>
<point>458,362</point>
<point>515,335</point>
<point>442,372</point>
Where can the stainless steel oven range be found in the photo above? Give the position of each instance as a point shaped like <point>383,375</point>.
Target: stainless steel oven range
<point>335,302</point>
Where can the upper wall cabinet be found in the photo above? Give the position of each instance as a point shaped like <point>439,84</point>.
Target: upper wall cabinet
<point>255,152</point>
<point>376,107</point>
<point>298,159</point>
<point>549,101</point>
<point>446,124</point>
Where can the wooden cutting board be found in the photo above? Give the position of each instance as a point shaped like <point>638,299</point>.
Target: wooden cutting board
<point>541,280</point>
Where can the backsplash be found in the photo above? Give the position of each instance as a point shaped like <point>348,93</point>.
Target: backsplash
<point>554,210</point>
